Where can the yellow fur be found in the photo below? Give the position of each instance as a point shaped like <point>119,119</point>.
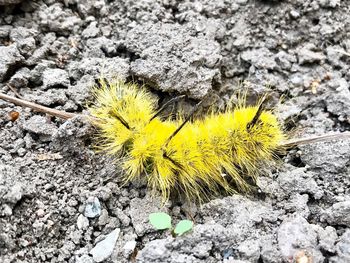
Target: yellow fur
<point>218,152</point>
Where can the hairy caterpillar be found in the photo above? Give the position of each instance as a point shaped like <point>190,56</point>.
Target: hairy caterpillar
<point>198,158</point>
<point>190,157</point>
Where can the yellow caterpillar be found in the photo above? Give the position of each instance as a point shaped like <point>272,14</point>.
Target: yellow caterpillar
<point>198,159</point>
<point>223,151</point>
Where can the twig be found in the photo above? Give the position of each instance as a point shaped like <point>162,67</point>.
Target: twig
<point>37,107</point>
<point>14,91</point>
<point>68,115</point>
<point>317,138</point>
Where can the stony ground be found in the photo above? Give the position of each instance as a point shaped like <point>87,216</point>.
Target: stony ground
<point>62,202</point>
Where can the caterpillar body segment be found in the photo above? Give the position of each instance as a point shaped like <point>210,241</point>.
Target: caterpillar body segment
<point>199,160</point>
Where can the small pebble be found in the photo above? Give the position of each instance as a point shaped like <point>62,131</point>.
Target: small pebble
<point>129,248</point>
<point>40,212</point>
<point>104,248</point>
<point>92,208</point>
<point>82,222</point>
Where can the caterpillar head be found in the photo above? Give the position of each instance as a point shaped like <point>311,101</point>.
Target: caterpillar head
<point>120,110</point>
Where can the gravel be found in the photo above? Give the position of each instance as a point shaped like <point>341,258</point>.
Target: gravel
<point>10,58</point>
<point>63,201</point>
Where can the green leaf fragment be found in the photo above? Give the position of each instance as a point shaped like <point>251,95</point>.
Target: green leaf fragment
<point>160,220</point>
<point>183,226</point>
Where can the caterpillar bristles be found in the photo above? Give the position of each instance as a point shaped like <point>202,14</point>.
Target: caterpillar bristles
<point>205,157</point>
<point>197,159</point>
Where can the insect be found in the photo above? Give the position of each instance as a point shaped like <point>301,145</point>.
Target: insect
<point>198,159</point>
<point>224,151</point>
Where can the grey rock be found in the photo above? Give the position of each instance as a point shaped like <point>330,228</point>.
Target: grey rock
<point>202,249</point>
<point>188,248</point>
<point>338,101</point>
<point>38,228</point>
<point>6,241</point>
<point>49,97</point>
<point>327,238</point>
<point>296,234</point>
<point>20,79</point>
<point>270,251</point>
<point>104,218</point>
<point>295,181</point>
<point>104,193</point>
<point>5,210</point>
<point>82,222</point>
<point>76,236</point>
<point>259,58</point>
<point>129,248</point>
<point>9,58</point>
<point>40,125</point>
<point>155,251</point>
<point>192,47</point>
<point>307,56</point>
<point>20,33</point>
<point>171,58</point>
<point>92,207</point>
<point>59,20</point>
<point>87,8</point>
<point>109,68</point>
<point>338,214</point>
<point>65,251</point>
<point>24,39</point>
<point>285,60</point>
<point>337,152</point>
<point>329,3</point>
<point>84,259</point>
<point>123,218</point>
<point>108,46</point>
<point>41,53</point>
<point>14,194</point>
<point>101,47</point>
<point>70,136</point>
<point>294,13</point>
<point>238,213</point>
<point>11,191</point>
<point>342,249</point>
<point>249,250</point>
<point>103,249</point>
<point>297,203</point>
<point>81,92</point>
<point>5,31</point>
<point>37,72</point>
<point>335,54</point>
<point>91,31</point>
<point>140,210</point>
<point>329,30</point>
<point>55,78</point>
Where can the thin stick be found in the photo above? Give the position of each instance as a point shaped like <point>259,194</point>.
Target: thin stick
<point>14,91</point>
<point>37,107</point>
<point>317,138</point>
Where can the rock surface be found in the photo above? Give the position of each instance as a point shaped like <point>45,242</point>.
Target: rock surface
<point>60,199</point>
<point>104,248</point>
<point>10,58</point>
